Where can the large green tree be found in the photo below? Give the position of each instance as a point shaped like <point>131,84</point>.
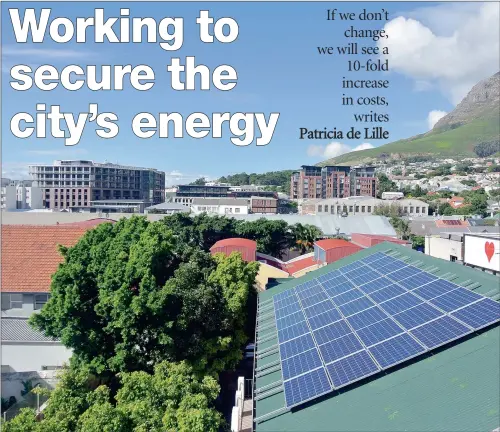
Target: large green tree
<point>128,296</point>
<point>304,236</point>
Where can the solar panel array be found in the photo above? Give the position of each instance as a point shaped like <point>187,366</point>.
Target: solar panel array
<point>366,317</point>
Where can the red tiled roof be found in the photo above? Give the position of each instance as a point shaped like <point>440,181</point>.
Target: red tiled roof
<point>235,242</point>
<point>328,244</point>
<point>30,255</point>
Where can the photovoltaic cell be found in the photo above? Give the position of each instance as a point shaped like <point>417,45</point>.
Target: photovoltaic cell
<point>439,332</point>
<point>319,308</point>
<point>378,332</point>
<point>287,301</point>
<point>292,332</point>
<point>375,285</point>
<point>284,295</point>
<point>404,273</point>
<point>340,347</point>
<point>367,317</point>
<point>386,293</point>
<point>287,310</point>
<point>417,315</point>
<point>339,289</point>
<point>296,346</point>
<point>365,277</point>
<point>328,276</point>
<point>389,268</point>
<point>331,332</point>
<point>351,369</point>
<point>372,258</point>
<point>306,387</point>
<point>480,314</point>
<point>401,303</point>
<point>289,320</point>
<point>347,297</point>
<point>353,266</point>
<point>309,291</point>
<point>455,299</point>
<point>324,319</point>
<point>356,306</point>
<point>417,280</point>
<point>431,290</point>
<point>317,298</point>
<point>301,363</point>
<point>396,350</point>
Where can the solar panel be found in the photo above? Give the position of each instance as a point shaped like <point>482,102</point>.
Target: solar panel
<point>455,299</point>
<point>417,315</point>
<point>379,332</point>
<point>296,346</point>
<point>440,331</point>
<point>365,317</point>
<point>301,363</point>
<point>351,369</point>
<point>347,297</point>
<point>331,332</point>
<point>340,347</point>
<point>396,350</point>
<point>479,314</point>
<point>325,318</point>
<point>318,308</point>
<point>306,387</point>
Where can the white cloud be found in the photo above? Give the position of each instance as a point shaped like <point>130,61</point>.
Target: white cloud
<point>448,46</point>
<point>334,149</point>
<point>434,116</point>
<point>62,152</point>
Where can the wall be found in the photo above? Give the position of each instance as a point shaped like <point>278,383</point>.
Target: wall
<point>9,197</point>
<point>482,251</point>
<point>443,248</point>
<point>265,272</point>
<point>28,357</point>
<point>12,382</point>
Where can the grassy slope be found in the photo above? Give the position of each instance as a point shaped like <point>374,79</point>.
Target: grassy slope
<point>455,142</point>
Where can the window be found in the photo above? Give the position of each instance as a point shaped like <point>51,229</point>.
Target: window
<point>369,209</point>
<point>357,209</point>
<point>320,209</point>
<point>362,209</point>
<point>417,209</point>
<point>411,210</point>
<point>40,300</point>
<point>12,301</point>
<point>237,210</point>
<point>350,209</point>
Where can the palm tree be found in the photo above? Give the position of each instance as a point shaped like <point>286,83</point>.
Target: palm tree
<point>304,236</point>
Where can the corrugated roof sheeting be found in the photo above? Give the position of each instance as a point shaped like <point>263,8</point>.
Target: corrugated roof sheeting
<point>18,330</point>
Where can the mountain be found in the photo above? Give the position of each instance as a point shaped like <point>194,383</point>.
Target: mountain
<point>471,129</point>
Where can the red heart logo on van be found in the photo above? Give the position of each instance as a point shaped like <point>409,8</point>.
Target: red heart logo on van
<point>489,249</point>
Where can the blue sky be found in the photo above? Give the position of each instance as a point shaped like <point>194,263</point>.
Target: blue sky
<point>278,68</point>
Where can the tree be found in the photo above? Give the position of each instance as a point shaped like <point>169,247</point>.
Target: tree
<point>273,237</point>
<point>418,191</point>
<point>385,185</point>
<point>128,297</point>
<point>402,227</point>
<point>304,236</point>
<point>174,397</point>
<point>494,193</point>
<point>417,242</point>
<point>199,182</point>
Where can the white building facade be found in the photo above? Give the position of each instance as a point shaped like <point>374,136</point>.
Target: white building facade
<point>21,197</point>
<point>219,206</point>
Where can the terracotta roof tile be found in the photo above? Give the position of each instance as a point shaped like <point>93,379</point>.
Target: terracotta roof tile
<point>251,244</point>
<point>30,255</point>
<point>328,244</point>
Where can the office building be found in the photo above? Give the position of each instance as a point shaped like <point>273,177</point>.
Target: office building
<point>78,184</point>
<point>313,182</point>
<point>20,195</point>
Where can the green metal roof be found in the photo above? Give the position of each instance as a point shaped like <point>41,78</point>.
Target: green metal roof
<point>455,388</point>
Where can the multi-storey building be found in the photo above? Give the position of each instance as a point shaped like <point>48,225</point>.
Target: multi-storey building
<point>20,194</point>
<point>313,182</point>
<point>79,183</point>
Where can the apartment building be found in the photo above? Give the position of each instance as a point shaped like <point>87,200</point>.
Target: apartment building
<point>313,182</point>
<point>78,184</point>
<point>17,195</point>
<point>263,205</point>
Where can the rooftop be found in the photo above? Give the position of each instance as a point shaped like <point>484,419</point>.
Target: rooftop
<point>453,388</point>
<point>30,254</point>
<point>328,244</point>
<point>18,330</point>
<point>241,242</point>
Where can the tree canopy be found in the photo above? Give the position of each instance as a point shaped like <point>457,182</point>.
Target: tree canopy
<point>128,296</point>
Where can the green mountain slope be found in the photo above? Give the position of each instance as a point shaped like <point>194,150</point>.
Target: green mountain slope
<point>474,121</point>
